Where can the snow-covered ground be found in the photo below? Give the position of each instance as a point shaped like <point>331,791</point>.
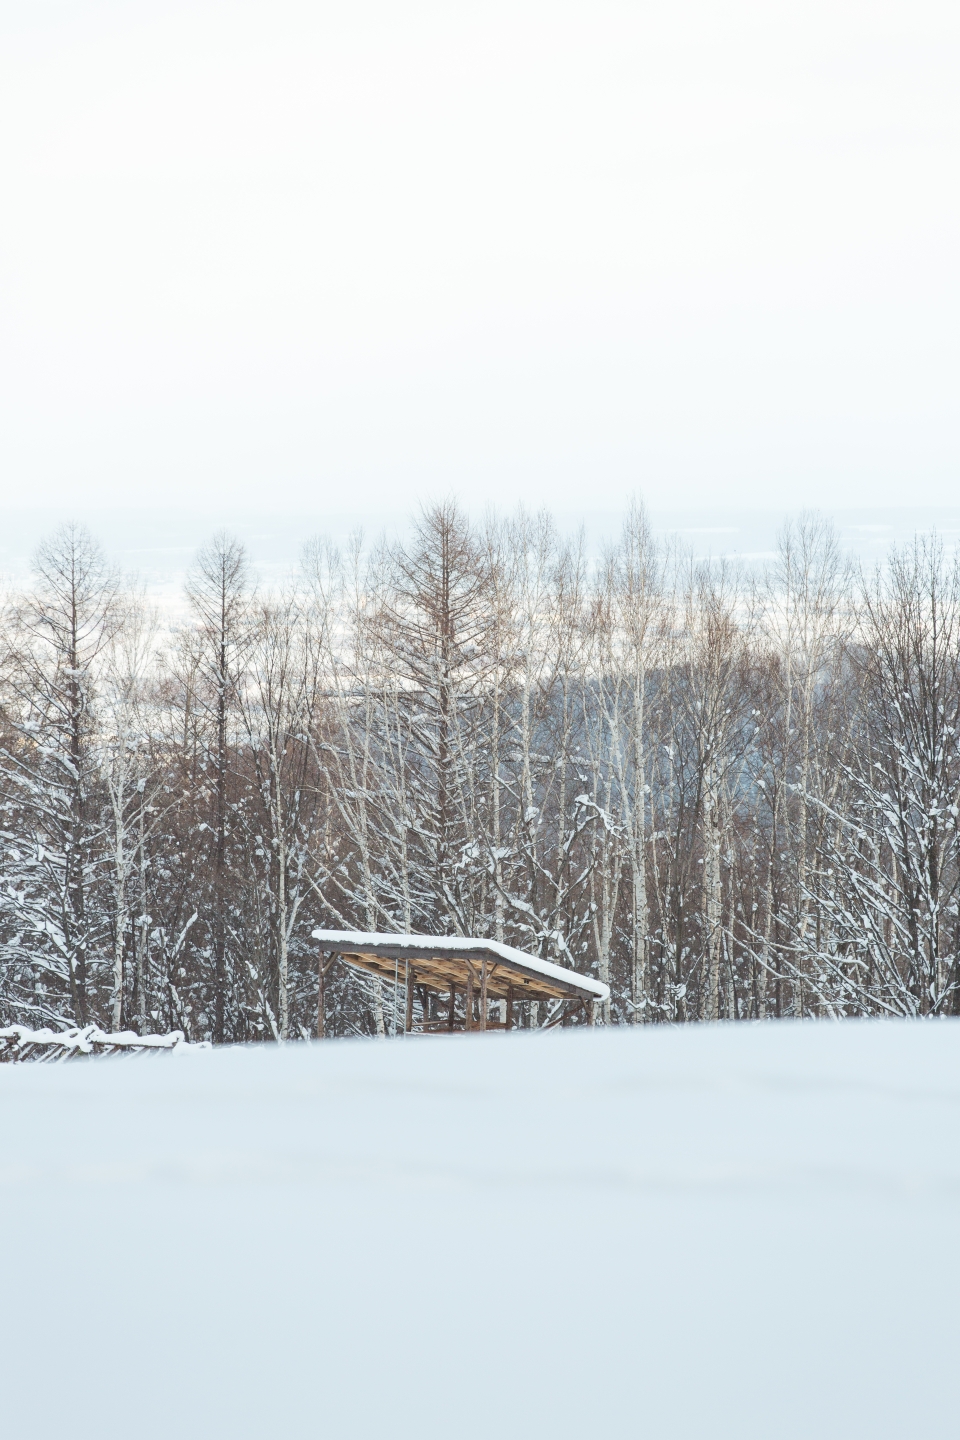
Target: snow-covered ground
<point>736,1231</point>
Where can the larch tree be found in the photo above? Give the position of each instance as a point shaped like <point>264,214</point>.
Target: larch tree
<point>54,800</point>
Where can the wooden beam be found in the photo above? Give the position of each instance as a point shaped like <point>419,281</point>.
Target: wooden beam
<point>439,976</point>
<point>443,964</point>
<point>468,1024</point>
<point>483,995</point>
<point>453,1007</point>
<point>509,1021</point>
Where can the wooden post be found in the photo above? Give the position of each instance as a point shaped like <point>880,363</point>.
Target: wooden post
<point>408,1023</point>
<point>468,1025</point>
<point>453,1007</point>
<point>483,995</point>
<point>321,997</point>
<point>509,1020</point>
<point>591,1011</point>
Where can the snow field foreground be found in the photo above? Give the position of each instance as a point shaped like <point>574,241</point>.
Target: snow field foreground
<point>730,1231</point>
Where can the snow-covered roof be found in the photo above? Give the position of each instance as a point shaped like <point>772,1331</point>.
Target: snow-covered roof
<point>526,975</point>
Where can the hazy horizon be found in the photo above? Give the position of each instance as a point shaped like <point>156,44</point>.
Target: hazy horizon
<point>156,545</point>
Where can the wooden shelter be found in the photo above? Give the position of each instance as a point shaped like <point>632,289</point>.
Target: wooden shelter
<point>456,978</point>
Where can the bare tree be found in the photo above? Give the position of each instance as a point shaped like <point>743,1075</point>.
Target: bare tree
<point>637,584</point>
<point>279,700</point>
<point>132,788</point>
<point>888,885</point>
<point>217,590</point>
<point>804,620</point>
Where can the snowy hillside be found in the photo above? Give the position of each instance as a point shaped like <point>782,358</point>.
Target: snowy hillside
<point>737,1231</point>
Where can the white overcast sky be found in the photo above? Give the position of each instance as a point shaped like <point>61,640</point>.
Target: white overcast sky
<point>291,255</point>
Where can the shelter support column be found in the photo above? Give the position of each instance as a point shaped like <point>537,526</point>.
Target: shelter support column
<point>323,965</point>
<point>509,1019</point>
<point>410,981</point>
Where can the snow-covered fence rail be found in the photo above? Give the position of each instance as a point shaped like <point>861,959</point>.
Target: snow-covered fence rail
<point>18,1043</point>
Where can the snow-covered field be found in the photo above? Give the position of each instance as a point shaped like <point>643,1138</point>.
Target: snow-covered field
<point>736,1231</point>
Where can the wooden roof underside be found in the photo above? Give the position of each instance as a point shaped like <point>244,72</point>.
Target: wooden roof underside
<point>440,969</point>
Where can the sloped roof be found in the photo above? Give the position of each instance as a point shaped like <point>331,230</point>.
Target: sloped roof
<point>444,960</point>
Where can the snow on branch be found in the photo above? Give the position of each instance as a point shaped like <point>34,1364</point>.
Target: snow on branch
<point>18,1043</point>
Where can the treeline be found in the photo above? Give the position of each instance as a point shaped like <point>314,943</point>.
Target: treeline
<point>729,795</point>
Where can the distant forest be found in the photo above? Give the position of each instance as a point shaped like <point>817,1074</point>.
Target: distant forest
<point>729,793</point>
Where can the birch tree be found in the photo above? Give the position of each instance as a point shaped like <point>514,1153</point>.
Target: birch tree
<point>279,700</point>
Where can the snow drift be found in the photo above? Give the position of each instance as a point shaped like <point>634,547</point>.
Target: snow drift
<point>736,1231</point>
